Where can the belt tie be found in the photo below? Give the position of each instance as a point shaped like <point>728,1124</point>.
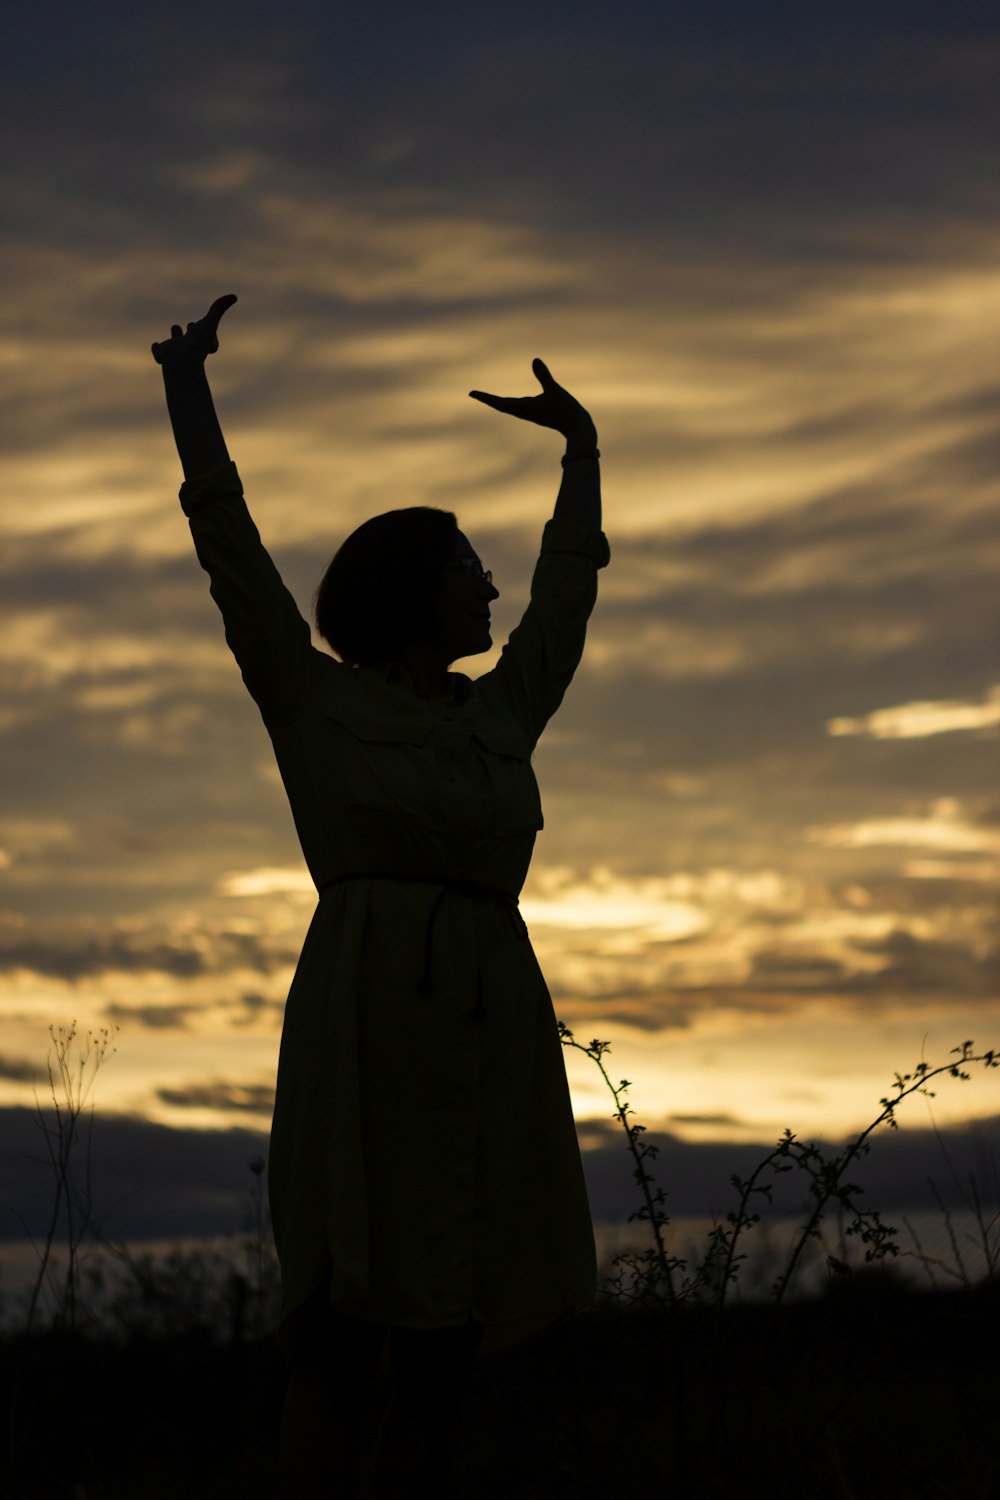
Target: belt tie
<point>469,887</point>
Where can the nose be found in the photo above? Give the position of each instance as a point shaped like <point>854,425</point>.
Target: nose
<point>485,592</point>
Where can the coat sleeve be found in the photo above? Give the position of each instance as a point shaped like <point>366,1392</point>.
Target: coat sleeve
<point>264,629</point>
<point>538,662</point>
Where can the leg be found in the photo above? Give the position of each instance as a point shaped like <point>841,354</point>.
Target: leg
<point>332,1365</point>
<point>419,1435</point>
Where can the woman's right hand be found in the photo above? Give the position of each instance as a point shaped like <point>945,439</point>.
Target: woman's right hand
<point>184,350</point>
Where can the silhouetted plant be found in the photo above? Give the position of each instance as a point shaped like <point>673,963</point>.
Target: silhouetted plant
<point>203,1300</point>
<point>826,1176</point>
<point>652,1267</point>
<point>654,1270</point>
<point>194,1291</point>
<point>67,1133</point>
<point>72,1070</point>
<point>262,1262</point>
<point>987,1237</point>
<point>661,1278</point>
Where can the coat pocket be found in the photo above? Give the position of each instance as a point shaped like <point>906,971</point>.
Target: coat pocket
<point>384,761</point>
<point>517,805</point>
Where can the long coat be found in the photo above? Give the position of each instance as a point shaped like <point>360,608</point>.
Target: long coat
<point>424,1165</point>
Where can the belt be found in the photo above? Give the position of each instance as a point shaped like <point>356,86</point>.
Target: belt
<point>469,887</point>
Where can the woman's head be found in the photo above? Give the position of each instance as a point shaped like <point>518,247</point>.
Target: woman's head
<point>403,577</point>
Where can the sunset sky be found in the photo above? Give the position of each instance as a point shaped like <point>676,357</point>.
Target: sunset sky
<point>760,243</point>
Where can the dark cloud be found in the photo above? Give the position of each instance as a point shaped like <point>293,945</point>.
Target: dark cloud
<point>19,1070</point>
<point>913,967</point>
<point>254,1099</point>
<point>85,957</point>
<point>894,1176</point>
<point>776,969</point>
<point>798,125</point>
<point>249,1010</point>
<point>97,956</point>
<point>246,1010</point>
<point>720,1120</point>
<point>153,1017</point>
<point>761,633</point>
<point>644,1010</point>
<point>787,986</point>
<point>153,1182</point>
<point>916,966</point>
<point>149,1182</point>
<point>115,585</point>
<point>851,628</point>
<point>935,894</point>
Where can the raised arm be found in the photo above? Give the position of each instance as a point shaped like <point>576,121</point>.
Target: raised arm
<point>264,629</point>
<point>579,497</point>
<point>544,651</point>
<point>182,356</point>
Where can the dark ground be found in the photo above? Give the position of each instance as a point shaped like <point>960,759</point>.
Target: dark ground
<point>869,1391</point>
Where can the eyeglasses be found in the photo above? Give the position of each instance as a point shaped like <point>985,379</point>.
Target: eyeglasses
<point>473,570</point>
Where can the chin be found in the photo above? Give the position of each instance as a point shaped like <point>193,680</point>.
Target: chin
<point>476,645</point>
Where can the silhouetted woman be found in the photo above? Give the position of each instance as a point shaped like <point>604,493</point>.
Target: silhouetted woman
<point>425,1180</point>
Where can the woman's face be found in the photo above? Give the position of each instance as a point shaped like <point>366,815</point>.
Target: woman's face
<point>463,611</point>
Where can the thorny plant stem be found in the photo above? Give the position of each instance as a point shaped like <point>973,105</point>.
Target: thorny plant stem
<point>651,1212</point>
<point>741,1220</point>
<point>904,1085</point>
<point>827,1181</point>
<point>827,1177</point>
<point>656,1219</point>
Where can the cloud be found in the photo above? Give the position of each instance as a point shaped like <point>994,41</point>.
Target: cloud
<point>791,668</point>
<point>98,956</point>
<point>700,103</point>
<point>986,872</point>
<point>184,955</point>
<point>894,1178</point>
<point>913,720</point>
<point>723,1120</point>
<point>784,969</point>
<point>938,966</point>
<point>149,1182</point>
<point>153,1017</point>
<point>249,1009</point>
<point>26,838</point>
<point>19,1070</point>
<point>941,830</point>
<point>217,1095</point>
<point>155,1182</point>
<point>268,882</point>
<point>605,902</point>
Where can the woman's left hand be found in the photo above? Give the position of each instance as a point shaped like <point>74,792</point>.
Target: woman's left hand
<point>555,407</point>
<point>184,351</point>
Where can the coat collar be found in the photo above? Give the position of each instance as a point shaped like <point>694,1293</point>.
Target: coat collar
<point>394,674</point>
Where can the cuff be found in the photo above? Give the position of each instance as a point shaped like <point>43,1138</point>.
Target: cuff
<point>222,483</point>
<point>561,535</point>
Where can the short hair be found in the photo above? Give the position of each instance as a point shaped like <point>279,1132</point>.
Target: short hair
<point>381,588</point>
